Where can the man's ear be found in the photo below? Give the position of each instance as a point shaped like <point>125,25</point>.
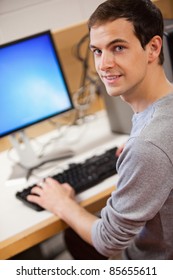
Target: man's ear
<point>154,48</point>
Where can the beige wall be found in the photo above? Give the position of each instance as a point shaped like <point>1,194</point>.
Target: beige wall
<point>166,6</point>
<point>19,18</point>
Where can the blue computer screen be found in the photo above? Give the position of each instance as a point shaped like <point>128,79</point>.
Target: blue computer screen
<point>32,83</point>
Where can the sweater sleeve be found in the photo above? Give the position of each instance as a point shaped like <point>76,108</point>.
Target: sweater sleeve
<point>141,192</point>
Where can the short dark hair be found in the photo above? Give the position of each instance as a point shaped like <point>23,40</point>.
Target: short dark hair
<point>146,18</point>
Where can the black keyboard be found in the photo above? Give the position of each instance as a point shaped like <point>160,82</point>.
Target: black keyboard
<point>81,176</point>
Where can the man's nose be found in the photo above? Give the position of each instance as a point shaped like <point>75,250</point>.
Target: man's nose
<point>107,61</point>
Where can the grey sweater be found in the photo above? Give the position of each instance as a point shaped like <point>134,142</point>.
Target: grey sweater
<point>138,218</point>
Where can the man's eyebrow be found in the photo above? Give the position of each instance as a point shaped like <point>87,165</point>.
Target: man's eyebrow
<point>110,43</point>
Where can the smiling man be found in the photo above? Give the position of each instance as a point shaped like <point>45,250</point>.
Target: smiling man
<point>126,41</point>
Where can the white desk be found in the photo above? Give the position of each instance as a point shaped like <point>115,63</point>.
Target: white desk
<point>22,227</point>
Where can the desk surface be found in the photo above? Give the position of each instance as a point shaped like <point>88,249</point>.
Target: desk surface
<point>22,227</point>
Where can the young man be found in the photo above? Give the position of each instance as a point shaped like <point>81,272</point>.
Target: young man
<point>126,40</point>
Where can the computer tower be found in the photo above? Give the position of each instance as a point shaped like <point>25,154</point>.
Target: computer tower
<point>118,111</point>
<point>168,49</point>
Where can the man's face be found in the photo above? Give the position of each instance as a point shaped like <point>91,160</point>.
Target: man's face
<point>120,60</point>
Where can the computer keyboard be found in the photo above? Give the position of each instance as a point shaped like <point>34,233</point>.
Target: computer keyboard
<point>81,176</point>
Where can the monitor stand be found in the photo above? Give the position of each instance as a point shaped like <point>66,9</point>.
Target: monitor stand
<point>28,158</point>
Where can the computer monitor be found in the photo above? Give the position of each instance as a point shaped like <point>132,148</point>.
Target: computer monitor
<point>33,88</point>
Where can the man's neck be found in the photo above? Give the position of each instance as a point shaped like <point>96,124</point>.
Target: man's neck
<point>154,88</point>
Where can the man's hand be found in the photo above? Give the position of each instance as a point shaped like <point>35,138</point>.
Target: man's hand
<point>119,150</point>
<point>60,200</point>
<point>52,195</point>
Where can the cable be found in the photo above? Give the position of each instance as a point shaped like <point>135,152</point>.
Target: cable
<point>84,59</point>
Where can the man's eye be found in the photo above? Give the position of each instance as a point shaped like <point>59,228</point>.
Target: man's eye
<point>119,48</point>
<point>97,52</point>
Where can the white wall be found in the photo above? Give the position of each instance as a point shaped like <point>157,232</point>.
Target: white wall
<point>19,18</point>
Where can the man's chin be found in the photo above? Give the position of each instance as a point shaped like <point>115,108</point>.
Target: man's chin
<point>113,93</point>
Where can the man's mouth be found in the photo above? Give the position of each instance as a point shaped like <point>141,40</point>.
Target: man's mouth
<point>111,78</point>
